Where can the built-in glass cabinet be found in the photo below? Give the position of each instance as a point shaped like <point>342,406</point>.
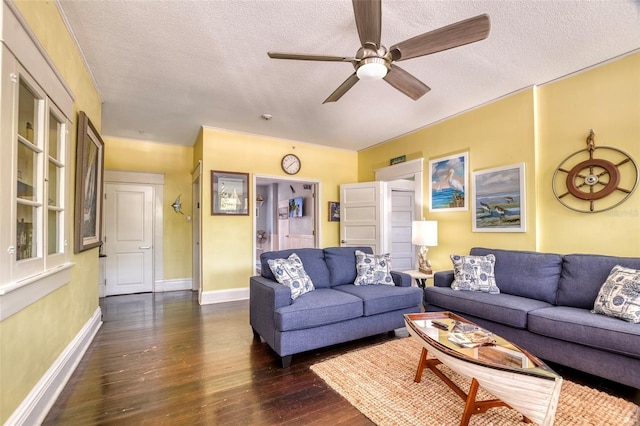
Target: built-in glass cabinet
<point>36,109</point>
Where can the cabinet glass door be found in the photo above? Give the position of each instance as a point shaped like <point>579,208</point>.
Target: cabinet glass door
<point>28,172</point>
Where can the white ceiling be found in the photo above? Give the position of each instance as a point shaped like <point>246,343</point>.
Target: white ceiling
<point>165,68</point>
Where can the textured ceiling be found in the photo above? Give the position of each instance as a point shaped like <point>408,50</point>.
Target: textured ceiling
<point>165,68</point>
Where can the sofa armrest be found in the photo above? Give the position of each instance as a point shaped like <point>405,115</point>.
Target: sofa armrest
<point>401,279</point>
<point>443,278</point>
<point>265,296</point>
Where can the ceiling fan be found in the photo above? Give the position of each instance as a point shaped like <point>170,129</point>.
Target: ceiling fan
<point>374,61</point>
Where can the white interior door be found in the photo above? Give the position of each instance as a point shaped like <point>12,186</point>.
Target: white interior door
<point>402,251</point>
<point>363,209</point>
<point>196,221</point>
<point>128,238</point>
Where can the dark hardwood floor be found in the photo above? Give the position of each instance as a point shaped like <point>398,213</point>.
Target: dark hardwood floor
<point>163,359</point>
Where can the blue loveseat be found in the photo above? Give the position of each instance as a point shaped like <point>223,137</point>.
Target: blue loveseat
<point>544,306</point>
<point>336,311</point>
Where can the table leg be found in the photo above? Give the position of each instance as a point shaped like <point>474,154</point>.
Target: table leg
<point>422,364</point>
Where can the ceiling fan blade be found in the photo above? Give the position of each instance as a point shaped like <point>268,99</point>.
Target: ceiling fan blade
<point>406,83</point>
<point>368,15</point>
<point>454,35</point>
<point>344,87</point>
<point>304,57</point>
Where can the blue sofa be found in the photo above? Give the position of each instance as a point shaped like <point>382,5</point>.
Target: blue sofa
<point>544,306</point>
<point>336,311</point>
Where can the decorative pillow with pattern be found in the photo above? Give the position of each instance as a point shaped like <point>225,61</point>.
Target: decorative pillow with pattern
<point>474,273</point>
<point>291,273</point>
<point>619,296</point>
<point>373,269</point>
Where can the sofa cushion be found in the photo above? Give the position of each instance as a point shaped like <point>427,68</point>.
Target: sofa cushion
<point>290,272</point>
<point>526,273</point>
<point>619,296</point>
<point>312,260</point>
<point>383,298</point>
<point>584,274</point>
<point>582,327</point>
<point>502,308</point>
<point>373,269</point>
<point>474,273</point>
<point>320,307</point>
<point>341,262</point>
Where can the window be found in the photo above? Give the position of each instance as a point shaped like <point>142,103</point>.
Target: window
<point>41,139</point>
<point>35,110</point>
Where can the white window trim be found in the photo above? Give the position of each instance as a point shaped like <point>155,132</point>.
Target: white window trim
<point>17,39</point>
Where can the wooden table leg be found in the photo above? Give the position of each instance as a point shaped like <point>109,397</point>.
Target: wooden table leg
<point>422,364</point>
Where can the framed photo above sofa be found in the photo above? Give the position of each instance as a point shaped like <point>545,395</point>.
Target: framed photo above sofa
<point>499,199</point>
<point>229,193</point>
<point>449,183</point>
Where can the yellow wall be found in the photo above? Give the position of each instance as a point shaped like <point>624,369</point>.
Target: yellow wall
<point>607,100</point>
<point>175,162</point>
<point>32,339</point>
<point>540,127</point>
<point>497,134</point>
<point>227,242</point>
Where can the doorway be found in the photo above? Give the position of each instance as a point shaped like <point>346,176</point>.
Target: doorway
<point>286,215</point>
<point>133,232</point>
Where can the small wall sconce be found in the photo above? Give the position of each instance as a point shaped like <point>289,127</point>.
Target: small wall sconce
<point>177,205</point>
<point>259,200</point>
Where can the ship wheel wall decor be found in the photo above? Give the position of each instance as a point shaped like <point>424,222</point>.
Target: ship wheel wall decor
<point>595,184</point>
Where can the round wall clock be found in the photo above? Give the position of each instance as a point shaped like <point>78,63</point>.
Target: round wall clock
<point>583,179</point>
<point>291,164</point>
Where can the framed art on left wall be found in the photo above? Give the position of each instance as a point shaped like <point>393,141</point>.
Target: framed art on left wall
<point>89,186</point>
<point>229,193</point>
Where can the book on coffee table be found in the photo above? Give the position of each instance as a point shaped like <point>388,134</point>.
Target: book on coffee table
<point>471,339</point>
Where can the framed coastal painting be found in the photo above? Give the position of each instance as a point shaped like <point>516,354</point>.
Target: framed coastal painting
<point>499,201</point>
<point>229,193</point>
<point>89,186</point>
<point>449,183</point>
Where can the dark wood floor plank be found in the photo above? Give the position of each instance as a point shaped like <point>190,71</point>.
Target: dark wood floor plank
<point>162,359</point>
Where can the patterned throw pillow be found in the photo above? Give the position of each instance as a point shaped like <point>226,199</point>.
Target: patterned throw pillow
<point>373,269</point>
<point>619,296</point>
<point>474,273</point>
<point>291,273</point>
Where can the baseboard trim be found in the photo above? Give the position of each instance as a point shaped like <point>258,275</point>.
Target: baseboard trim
<point>221,296</point>
<point>38,402</point>
<point>172,285</point>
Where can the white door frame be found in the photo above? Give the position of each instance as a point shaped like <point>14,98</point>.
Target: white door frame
<point>196,179</point>
<point>409,169</point>
<point>316,213</point>
<point>157,181</point>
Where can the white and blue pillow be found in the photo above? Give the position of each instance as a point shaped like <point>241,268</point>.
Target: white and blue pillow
<point>290,272</point>
<point>373,269</point>
<point>474,273</point>
<point>619,296</point>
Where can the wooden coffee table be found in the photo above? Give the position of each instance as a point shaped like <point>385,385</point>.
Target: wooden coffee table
<point>518,379</point>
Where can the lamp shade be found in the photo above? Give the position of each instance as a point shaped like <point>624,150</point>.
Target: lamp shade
<point>424,233</point>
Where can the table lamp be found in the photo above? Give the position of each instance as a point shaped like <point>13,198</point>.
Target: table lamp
<point>424,233</point>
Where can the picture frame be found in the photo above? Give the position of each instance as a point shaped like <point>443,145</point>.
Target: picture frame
<point>89,186</point>
<point>283,213</point>
<point>449,183</point>
<point>334,211</point>
<point>499,199</point>
<point>229,193</point>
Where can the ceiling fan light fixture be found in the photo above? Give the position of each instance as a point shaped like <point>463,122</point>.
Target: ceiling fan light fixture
<point>372,69</point>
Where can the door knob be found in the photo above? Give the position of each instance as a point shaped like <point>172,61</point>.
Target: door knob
<point>343,241</point>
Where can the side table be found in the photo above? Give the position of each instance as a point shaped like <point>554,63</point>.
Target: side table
<point>420,277</point>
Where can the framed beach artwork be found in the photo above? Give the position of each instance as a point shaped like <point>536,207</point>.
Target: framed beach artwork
<point>449,183</point>
<point>499,201</point>
<point>89,186</point>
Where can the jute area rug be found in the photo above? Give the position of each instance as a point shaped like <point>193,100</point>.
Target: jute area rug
<point>378,381</point>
